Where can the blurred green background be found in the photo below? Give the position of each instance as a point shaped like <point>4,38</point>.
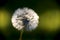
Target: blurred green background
<point>49,22</point>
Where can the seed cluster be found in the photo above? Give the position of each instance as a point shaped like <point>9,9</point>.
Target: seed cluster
<point>25,18</point>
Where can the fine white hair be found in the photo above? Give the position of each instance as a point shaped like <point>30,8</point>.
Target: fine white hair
<point>25,18</point>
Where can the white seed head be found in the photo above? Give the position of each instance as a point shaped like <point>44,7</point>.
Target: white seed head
<point>25,18</point>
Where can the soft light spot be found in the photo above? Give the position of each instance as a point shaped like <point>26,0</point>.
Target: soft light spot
<point>4,19</point>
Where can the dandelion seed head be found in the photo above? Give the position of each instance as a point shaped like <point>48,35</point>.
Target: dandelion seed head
<point>25,18</point>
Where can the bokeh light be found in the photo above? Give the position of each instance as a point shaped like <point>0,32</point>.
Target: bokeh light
<point>4,19</point>
<point>49,21</point>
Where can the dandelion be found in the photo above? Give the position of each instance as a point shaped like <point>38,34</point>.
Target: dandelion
<point>25,19</point>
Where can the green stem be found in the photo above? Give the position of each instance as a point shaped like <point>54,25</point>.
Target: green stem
<point>21,35</point>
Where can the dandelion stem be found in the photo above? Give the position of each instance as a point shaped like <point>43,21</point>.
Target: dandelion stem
<point>21,35</point>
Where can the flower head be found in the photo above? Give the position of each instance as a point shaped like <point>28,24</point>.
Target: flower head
<point>25,18</point>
